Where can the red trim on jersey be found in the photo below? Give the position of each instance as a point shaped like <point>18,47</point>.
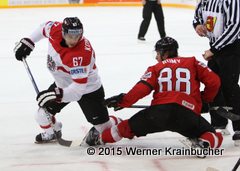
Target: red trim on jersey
<point>44,33</point>
<point>49,126</point>
<point>81,81</point>
<point>63,69</point>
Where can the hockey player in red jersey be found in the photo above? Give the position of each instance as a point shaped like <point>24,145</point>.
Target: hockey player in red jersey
<point>176,103</point>
<point>71,61</point>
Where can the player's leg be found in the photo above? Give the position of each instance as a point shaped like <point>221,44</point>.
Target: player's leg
<point>197,129</point>
<point>217,121</point>
<point>147,15</point>
<point>229,75</point>
<point>41,119</point>
<point>96,113</point>
<point>150,120</point>
<point>159,16</point>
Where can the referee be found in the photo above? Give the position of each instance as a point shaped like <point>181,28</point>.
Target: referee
<point>219,21</point>
<point>149,7</point>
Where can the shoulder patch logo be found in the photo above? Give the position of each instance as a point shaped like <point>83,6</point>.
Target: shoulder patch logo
<point>146,76</point>
<point>51,64</point>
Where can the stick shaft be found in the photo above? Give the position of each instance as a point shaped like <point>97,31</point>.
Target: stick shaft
<point>236,165</point>
<point>37,91</point>
<point>30,75</point>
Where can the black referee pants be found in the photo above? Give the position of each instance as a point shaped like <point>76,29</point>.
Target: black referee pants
<point>149,8</point>
<point>226,64</point>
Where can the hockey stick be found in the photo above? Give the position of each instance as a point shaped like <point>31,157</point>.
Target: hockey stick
<point>57,135</point>
<point>222,111</point>
<point>236,165</point>
<point>211,108</point>
<point>229,115</point>
<point>138,106</point>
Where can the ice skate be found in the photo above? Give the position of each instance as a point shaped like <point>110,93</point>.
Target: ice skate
<point>92,138</point>
<point>141,39</point>
<point>48,138</point>
<point>236,138</point>
<point>197,144</point>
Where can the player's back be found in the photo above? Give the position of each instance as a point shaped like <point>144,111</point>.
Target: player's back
<point>176,81</point>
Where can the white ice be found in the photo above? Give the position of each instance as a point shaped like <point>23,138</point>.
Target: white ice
<point>121,60</point>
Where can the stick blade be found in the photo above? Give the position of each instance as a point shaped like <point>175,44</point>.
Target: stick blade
<point>229,115</point>
<point>67,143</point>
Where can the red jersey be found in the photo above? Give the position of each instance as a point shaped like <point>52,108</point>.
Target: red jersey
<point>176,80</point>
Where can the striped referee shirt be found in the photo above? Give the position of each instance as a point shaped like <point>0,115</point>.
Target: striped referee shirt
<point>222,19</point>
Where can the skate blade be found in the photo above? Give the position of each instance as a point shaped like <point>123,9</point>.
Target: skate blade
<point>188,144</point>
<point>46,142</point>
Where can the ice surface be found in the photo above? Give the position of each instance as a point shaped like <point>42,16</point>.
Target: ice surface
<point>121,60</point>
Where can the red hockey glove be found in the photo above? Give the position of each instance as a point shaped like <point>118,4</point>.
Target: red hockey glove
<point>47,96</point>
<point>113,102</point>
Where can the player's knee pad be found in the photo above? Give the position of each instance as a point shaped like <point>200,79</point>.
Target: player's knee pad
<point>124,130</point>
<point>41,118</point>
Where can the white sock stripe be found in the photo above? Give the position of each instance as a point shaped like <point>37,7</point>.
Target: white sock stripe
<point>113,119</point>
<point>215,140</point>
<point>114,133</point>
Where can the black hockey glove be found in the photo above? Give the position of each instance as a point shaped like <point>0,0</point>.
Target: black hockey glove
<point>113,102</point>
<point>48,96</point>
<point>23,48</point>
<point>205,107</point>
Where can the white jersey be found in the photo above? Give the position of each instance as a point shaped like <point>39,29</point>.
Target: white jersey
<point>73,69</point>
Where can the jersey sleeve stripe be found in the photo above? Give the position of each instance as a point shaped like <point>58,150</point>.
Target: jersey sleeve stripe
<point>81,81</point>
<point>146,83</point>
<point>63,69</point>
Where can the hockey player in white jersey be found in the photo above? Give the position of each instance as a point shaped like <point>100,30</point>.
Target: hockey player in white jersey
<point>71,61</point>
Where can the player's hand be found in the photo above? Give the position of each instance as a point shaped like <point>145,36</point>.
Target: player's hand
<point>113,102</point>
<point>48,96</point>
<point>205,107</point>
<point>23,48</point>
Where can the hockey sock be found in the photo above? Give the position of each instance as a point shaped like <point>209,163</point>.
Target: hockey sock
<point>124,130</point>
<point>214,139</point>
<point>114,120</point>
<point>111,135</point>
